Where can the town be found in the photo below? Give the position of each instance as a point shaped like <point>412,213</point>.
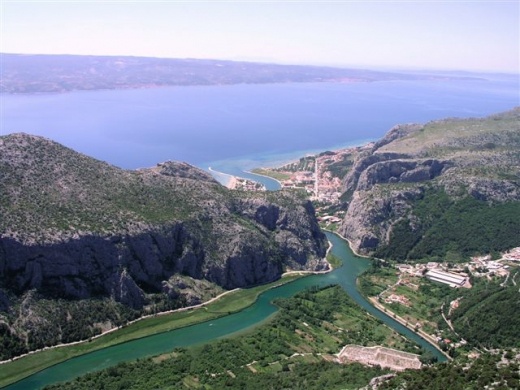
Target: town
<point>319,175</point>
<point>457,275</point>
<point>401,288</point>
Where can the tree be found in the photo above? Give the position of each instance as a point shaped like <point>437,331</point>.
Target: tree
<point>428,358</point>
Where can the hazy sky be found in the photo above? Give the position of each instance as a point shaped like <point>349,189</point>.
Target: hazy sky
<point>464,35</point>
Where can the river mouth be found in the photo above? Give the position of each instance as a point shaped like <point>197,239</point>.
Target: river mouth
<point>225,326</point>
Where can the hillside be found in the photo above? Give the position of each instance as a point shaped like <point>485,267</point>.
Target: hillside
<point>62,73</point>
<point>88,243</point>
<point>449,187</point>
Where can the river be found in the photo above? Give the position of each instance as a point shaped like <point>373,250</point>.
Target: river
<point>226,326</point>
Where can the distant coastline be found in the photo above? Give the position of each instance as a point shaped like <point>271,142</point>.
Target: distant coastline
<point>276,161</point>
<point>66,73</point>
<point>269,177</point>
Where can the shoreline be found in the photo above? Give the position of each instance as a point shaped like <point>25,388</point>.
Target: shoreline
<point>181,309</point>
<point>428,337</point>
<point>268,177</point>
<point>231,179</point>
<point>230,183</point>
<point>290,157</point>
<point>163,313</point>
<point>373,301</point>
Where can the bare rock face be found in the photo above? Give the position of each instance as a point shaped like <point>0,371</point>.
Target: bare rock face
<point>370,217</point>
<point>89,229</point>
<point>366,160</point>
<point>400,171</point>
<point>474,157</point>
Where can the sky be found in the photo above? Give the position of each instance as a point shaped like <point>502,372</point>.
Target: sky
<point>420,34</point>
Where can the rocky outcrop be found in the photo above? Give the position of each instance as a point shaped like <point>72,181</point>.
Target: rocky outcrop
<point>365,160</point>
<point>127,266</point>
<point>182,170</point>
<point>400,171</point>
<point>474,157</point>
<point>370,217</point>
<point>106,232</point>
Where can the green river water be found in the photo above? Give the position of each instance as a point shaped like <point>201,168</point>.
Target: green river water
<point>254,315</point>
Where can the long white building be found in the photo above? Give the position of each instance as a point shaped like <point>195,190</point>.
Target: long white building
<point>448,278</point>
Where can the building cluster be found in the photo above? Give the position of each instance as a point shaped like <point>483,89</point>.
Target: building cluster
<point>454,277</point>
<point>484,266</point>
<point>458,275</point>
<point>316,179</point>
<point>247,185</point>
<point>449,278</point>
<point>401,299</point>
<point>300,179</point>
<point>512,255</point>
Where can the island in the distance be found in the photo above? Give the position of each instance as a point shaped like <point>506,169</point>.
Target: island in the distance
<point>436,205</point>
<point>22,73</point>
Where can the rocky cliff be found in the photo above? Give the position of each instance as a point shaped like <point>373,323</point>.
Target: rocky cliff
<point>475,158</point>
<point>74,227</point>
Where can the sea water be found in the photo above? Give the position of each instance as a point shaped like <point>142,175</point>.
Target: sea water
<point>239,127</point>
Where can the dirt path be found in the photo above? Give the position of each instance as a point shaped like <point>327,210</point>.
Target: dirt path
<point>119,327</point>
<point>402,321</point>
<point>200,305</point>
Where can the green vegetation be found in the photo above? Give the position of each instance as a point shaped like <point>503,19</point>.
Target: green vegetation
<point>52,322</point>
<point>376,279</point>
<point>333,260</point>
<point>303,164</point>
<point>424,298</point>
<point>468,138</point>
<point>10,343</point>
<point>77,228</point>
<point>271,173</point>
<point>232,302</point>
<point>192,370</point>
<point>488,316</point>
<point>312,325</point>
<point>64,191</point>
<point>489,371</point>
<point>340,168</point>
<point>443,226</point>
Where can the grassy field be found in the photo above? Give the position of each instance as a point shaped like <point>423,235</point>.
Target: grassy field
<point>333,260</point>
<point>425,298</point>
<point>270,173</point>
<point>232,302</point>
<point>293,350</point>
<point>447,137</point>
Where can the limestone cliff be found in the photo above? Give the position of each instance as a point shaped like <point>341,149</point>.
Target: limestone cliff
<point>477,158</point>
<point>74,227</point>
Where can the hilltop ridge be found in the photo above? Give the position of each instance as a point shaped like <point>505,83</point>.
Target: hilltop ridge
<point>421,192</point>
<point>62,73</point>
<point>404,191</point>
<point>163,237</point>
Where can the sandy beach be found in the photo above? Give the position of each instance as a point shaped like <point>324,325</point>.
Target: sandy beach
<point>225,179</point>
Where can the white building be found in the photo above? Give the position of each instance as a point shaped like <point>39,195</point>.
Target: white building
<point>451,279</point>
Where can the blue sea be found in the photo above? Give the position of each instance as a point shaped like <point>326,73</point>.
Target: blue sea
<point>239,127</point>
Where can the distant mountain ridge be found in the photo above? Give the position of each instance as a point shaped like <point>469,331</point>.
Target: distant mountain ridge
<point>62,73</point>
